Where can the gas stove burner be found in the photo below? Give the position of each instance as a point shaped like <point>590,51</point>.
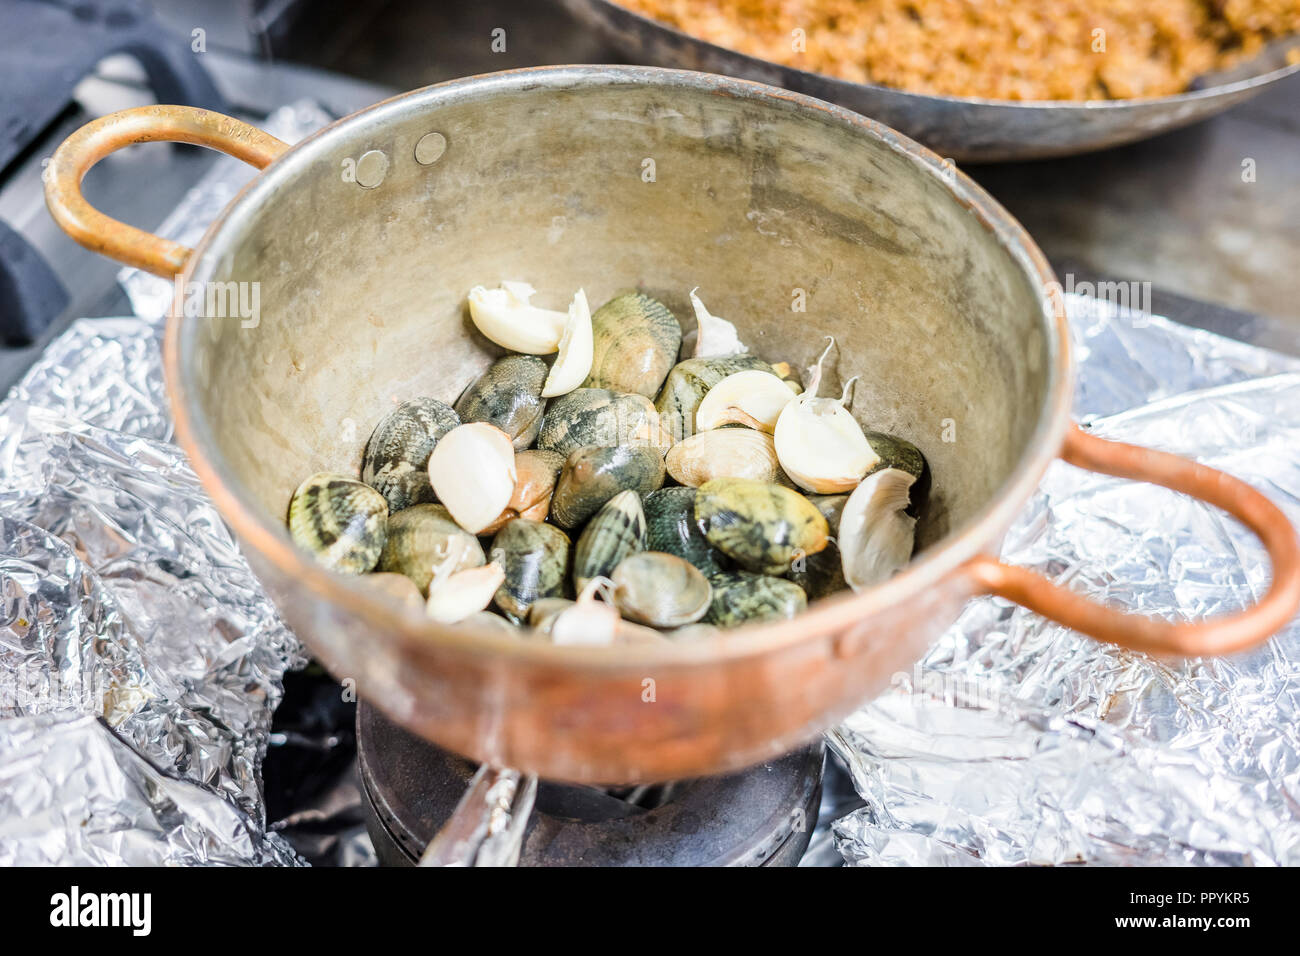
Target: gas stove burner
<point>763,816</point>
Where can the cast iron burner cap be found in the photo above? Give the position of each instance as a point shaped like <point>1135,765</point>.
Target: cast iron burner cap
<point>763,816</point>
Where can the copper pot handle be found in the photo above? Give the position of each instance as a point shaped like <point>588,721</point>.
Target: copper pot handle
<point>1221,635</point>
<point>144,124</point>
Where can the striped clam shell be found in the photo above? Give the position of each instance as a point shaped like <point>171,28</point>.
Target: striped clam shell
<point>535,557</point>
<point>617,530</point>
<point>635,340</point>
<point>342,522</point>
<point>598,416</point>
<point>508,395</point>
<point>423,536</point>
<point>593,475</point>
<point>397,455</point>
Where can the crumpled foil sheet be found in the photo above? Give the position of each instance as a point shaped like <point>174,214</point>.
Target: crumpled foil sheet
<point>140,659</point>
<point>1017,741</point>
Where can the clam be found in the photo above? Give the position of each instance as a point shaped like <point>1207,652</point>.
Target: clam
<point>397,455</point>
<point>535,476</point>
<point>741,596</point>
<point>340,520</point>
<point>395,586</point>
<point>593,475</point>
<point>714,337</point>
<point>660,589</point>
<point>822,573</point>
<point>508,395</point>
<point>472,471</point>
<point>876,534</point>
<point>455,595</point>
<point>424,536</point>
<point>753,398</point>
<point>689,382</point>
<point>506,317</point>
<point>598,416</point>
<point>636,340</point>
<point>819,443</point>
<point>724,453</point>
<point>535,557</point>
<point>573,364</point>
<point>671,527</point>
<point>764,527</point>
<point>617,530</point>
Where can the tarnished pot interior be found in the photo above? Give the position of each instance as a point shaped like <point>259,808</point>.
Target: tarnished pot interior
<point>796,221</point>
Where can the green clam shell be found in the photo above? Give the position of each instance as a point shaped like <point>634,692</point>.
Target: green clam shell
<point>535,557</point>
<point>671,527</point>
<point>396,459</point>
<point>689,382</point>
<point>635,340</point>
<point>598,416</point>
<point>424,535</point>
<point>822,573</point>
<point>340,520</point>
<point>617,530</point>
<point>742,596</point>
<point>593,475</point>
<point>508,395</point>
<point>762,526</point>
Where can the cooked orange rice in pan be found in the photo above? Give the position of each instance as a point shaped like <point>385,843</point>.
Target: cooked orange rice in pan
<point>993,49</point>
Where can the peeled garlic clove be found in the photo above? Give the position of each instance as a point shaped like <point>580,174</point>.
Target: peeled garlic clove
<point>587,622</point>
<point>574,362</point>
<point>876,534</point>
<point>472,471</point>
<point>456,596</point>
<point>754,398</point>
<point>505,317</point>
<point>821,446</point>
<point>714,337</point>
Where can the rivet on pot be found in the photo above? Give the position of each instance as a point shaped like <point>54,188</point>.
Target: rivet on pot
<point>430,148</point>
<point>372,167</point>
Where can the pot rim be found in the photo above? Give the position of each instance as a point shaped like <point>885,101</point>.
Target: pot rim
<point>830,616</point>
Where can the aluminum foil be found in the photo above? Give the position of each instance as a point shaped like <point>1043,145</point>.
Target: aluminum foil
<point>140,660</point>
<point>1017,741</point>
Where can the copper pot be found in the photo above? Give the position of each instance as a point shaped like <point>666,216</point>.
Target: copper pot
<point>364,239</point>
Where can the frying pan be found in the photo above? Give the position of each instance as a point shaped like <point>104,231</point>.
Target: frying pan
<point>964,129</point>
<point>364,240</point>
